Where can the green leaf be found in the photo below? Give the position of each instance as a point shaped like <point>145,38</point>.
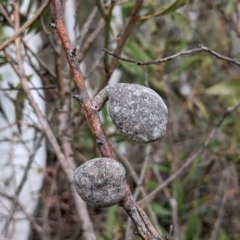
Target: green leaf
<point>19,106</point>
<point>34,26</point>
<point>106,121</point>
<point>159,210</point>
<point>4,2</point>
<point>191,226</point>
<point>2,62</point>
<point>30,7</point>
<point>223,236</point>
<point>202,109</point>
<point>236,131</point>
<point>135,71</point>
<point>187,64</point>
<point>181,21</point>
<point>128,5</point>
<point>111,221</point>
<point>134,50</point>
<point>151,185</point>
<point>192,173</point>
<point>179,193</point>
<point>231,6</point>
<point>2,111</point>
<point>171,8</point>
<point>162,168</point>
<point>225,88</point>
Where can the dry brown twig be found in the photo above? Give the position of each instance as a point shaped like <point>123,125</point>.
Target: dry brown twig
<point>128,29</point>
<point>123,39</point>
<point>84,34</point>
<point>90,40</point>
<point>25,26</point>
<point>144,227</point>
<point>169,58</point>
<point>34,222</point>
<point>20,187</point>
<point>21,89</point>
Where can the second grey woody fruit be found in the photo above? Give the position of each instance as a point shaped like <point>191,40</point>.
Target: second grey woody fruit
<point>100,182</point>
<point>138,112</point>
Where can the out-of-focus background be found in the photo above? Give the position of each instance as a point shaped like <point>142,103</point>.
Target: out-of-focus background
<point>37,200</point>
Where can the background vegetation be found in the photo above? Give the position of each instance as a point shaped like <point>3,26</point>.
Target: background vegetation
<point>203,201</point>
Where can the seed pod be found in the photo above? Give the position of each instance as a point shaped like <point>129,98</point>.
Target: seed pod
<point>100,182</point>
<point>138,112</point>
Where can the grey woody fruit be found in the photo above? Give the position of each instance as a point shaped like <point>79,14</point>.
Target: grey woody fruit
<point>138,112</point>
<point>100,182</point>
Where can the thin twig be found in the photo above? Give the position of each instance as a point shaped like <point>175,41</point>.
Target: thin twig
<point>123,39</point>
<point>189,161</point>
<point>47,34</point>
<point>40,61</point>
<point>171,196</point>
<point>31,88</point>
<point>227,19</point>
<point>186,52</point>
<point>101,8</point>
<point>25,26</point>
<point>20,187</point>
<point>128,29</point>
<point>173,203</point>
<point>90,40</point>
<point>222,205</point>
<point>107,31</point>
<point>5,15</point>
<point>128,231</point>
<point>85,29</point>
<point>169,233</point>
<point>46,203</point>
<point>37,227</point>
<point>134,175</point>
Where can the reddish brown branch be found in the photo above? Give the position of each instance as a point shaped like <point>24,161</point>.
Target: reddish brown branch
<point>144,227</point>
<point>92,116</point>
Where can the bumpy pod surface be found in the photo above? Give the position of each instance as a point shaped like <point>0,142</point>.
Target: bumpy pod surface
<point>138,112</point>
<point>100,182</point>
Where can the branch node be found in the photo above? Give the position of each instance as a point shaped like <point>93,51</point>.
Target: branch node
<point>170,232</point>
<point>78,97</point>
<point>73,54</point>
<point>52,25</point>
<point>137,233</point>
